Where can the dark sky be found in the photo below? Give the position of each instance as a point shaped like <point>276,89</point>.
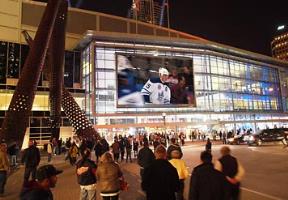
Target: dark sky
<point>246,24</point>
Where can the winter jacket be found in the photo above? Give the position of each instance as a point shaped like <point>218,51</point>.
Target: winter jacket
<point>108,174</point>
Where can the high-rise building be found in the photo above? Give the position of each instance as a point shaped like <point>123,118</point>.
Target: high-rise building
<point>149,11</point>
<point>279,43</point>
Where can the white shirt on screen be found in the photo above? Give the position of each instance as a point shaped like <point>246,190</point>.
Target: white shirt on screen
<point>155,92</point>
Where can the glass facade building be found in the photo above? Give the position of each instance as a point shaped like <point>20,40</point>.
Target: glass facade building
<point>234,88</point>
<point>231,92</point>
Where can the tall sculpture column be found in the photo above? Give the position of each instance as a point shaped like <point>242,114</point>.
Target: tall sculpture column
<point>55,59</point>
<point>16,119</point>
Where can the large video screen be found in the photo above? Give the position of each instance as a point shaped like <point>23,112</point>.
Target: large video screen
<point>154,81</point>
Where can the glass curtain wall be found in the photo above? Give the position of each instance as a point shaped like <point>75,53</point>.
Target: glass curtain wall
<point>221,84</point>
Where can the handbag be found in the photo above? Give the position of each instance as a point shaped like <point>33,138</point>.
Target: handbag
<point>123,184</point>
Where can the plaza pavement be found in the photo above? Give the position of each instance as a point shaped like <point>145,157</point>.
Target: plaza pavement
<point>67,187</point>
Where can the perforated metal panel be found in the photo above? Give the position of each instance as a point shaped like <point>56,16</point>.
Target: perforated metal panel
<point>77,118</point>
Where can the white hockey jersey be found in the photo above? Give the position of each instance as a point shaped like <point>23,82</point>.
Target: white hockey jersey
<point>155,92</point>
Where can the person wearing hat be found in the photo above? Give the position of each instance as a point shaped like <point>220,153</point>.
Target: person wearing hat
<point>46,178</point>
<point>156,90</point>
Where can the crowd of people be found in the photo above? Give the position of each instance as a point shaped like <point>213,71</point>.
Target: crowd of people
<point>162,169</point>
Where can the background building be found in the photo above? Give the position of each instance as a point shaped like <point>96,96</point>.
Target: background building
<point>234,89</point>
<point>150,11</point>
<point>279,43</point>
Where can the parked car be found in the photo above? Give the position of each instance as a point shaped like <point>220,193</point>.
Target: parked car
<point>269,135</point>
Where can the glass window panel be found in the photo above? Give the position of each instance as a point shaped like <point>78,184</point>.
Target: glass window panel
<point>3,61</point>
<point>100,83</point>
<point>110,84</point>
<point>110,64</point>
<point>13,60</point>
<point>110,56</point>
<point>100,64</point>
<point>100,56</point>
<point>215,83</point>
<point>111,75</point>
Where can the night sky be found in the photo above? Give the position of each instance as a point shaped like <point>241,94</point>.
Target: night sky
<point>243,24</point>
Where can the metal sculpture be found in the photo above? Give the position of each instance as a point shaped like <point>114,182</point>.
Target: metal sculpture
<point>16,119</point>
<point>54,70</point>
<point>55,64</point>
<point>77,118</point>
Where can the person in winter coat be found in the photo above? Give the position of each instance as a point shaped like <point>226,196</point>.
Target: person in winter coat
<point>73,152</point>
<point>206,182</point>
<point>160,179</point>
<point>4,167</point>
<point>86,175</point>
<point>233,171</point>
<point>31,159</point>
<point>108,176</point>
<point>181,167</point>
<point>145,158</point>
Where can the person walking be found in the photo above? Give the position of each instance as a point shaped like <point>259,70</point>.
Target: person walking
<point>108,174</point>
<point>49,150</point>
<point>160,179</point>
<point>207,183</point>
<point>128,149</point>
<point>73,152</point>
<point>116,149</point>
<point>13,151</point>
<point>4,167</point>
<point>122,143</point>
<point>31,159</point>
<point>181,167</point>
<point>233,171</point>
<point>86,175</point>
<point>224,137</point>
<point>208,145</point>
<point>41,189</point>
<point>145,157</point>
<point>98,149</point>
<point>135,147</point>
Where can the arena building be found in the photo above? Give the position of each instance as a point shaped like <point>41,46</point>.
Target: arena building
<point>108,55</point>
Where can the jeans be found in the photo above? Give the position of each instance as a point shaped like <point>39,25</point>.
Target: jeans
<point>13,160</point>
<point>28,171</point>
<point>87,194</point>
<point>3,178</point>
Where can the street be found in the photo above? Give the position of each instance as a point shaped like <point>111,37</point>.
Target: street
<point>265,179</point>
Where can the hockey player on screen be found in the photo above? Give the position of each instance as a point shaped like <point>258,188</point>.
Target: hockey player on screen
<point>155,90</point>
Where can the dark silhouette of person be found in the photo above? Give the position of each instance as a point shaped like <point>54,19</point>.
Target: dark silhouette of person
<point>206,182</point>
